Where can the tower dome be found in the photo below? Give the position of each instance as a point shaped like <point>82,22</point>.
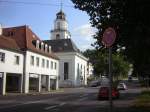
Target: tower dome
<point>61,15</point>
<point>60,30</point>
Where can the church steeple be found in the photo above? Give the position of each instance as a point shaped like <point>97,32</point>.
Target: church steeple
<point>61,15</point>
<point>60,30</point>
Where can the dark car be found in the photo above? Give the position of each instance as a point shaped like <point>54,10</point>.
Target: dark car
<point>103,93</point>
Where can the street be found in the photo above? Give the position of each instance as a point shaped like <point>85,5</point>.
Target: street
<point>71,100</point>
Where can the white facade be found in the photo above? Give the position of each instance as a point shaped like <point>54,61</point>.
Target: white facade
<point>73,65</point>
<point>44,68</point>
<point>26,70</point>
<point>80,70</point>
<point>77,76</point>
<point>26,66</point>
<point>11,68</point>
<point>90,69</point>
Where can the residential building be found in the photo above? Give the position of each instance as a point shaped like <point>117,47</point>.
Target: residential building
<point>26,62</point>
<point>73,65</point>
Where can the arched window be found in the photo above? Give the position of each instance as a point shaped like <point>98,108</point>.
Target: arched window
<point>57,36</point>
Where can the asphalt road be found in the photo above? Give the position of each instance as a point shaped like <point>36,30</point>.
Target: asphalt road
<point>71,100</point>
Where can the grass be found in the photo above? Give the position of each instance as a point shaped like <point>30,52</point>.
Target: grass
<point>143,100</point>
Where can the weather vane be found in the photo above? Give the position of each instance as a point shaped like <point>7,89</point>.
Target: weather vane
<point>61,4</point>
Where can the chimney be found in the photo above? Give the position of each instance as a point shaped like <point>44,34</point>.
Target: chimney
<point>42,46</point>
<point>37,44</point>
<point>45,47</point>
<point>1,30</point>
<point>49,47</point>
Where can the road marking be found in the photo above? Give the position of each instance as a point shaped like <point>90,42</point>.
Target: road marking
<point>62,104</point>
<point>30,102</point>
<point>84,95</point>
<point>50,107</point>
<point>54,106</point>
<point>84,98</point>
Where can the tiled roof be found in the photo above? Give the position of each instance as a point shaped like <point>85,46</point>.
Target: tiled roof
<point>25,38</point>
<point>62,45</point>
<point>8,43</point>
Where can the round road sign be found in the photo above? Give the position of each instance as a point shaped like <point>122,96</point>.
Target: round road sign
<point>109,37</point>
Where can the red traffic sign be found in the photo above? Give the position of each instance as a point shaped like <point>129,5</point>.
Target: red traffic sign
<point>109,37</point>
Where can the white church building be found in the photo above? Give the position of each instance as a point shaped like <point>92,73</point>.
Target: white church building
<point>73,65</point>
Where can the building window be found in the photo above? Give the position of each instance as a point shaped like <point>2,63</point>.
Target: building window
<point>84,72</point>
<point>11,33</point>
<point>37,61</point>
<point>81,69</point>
<point>57,36</point>
<point>58,25</point>
<point>51,64</point>
<point>55,65</point>
<point>66,70</point>
<point>47,64</point>
<point>43,63</point>
<point>17,60</point>
<point>78,71</point>
<point>2,57</point>
<point>32,60</point>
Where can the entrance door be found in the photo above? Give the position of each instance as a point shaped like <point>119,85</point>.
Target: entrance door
<point>12,82</point>
<point>33,84</point>
<point>53,84</point>
<point>1,82</point>
<point>44,82</point>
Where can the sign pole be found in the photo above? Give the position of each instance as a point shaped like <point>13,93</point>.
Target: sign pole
<point>108,40</point>
<point>110,79</point>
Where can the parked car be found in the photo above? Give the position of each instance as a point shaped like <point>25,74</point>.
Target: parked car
<point>130,78</point>
<point>122,86</point>
<point>95,83</point>
<point>103,93</point>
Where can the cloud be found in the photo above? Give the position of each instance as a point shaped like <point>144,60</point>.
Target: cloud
<point>85,31</point>
<point>85,46</point>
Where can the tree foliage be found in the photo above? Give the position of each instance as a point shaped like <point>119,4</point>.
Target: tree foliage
<point>100,62</point>
<point>131,21</point>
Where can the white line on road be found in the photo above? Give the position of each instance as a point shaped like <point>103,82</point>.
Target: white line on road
<point>54,106</point>
<point>50,107</point>
<point>82,99</point>
<point>62,104</point>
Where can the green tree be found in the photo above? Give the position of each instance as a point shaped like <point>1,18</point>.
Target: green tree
<point>130,19</point>
<point>100,62</point>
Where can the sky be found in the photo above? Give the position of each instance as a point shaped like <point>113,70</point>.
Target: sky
<point>39,15</point>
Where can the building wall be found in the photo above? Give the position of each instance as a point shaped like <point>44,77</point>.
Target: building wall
<point>9,65</point>
<point>66,57</point>
<point>90,69</point>
<point>81,72</point>
<point>73,59</point>
<point>37,71</point>
<point>61,24</point>
<point>63,34</point>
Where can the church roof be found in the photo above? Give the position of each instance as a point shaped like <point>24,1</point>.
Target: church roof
<point>62,45</point>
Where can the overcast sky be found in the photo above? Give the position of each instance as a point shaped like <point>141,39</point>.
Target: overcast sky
<point>40,16</point>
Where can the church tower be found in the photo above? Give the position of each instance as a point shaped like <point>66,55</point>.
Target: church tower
<point>60,30</point>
